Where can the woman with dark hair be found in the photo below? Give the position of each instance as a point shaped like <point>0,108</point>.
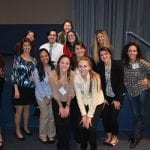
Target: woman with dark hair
<point>136,78</point>
<point>111,72</point>
<point>61,81</point>
<point>31,36</point>
<point>23,86</point>
<point>67,26</point>
<point>90,101</point>
<point>68,46</point>
<point>43,96</point>
<point>2,81</point>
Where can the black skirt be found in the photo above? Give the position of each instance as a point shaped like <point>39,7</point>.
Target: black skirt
<point>27,96</point>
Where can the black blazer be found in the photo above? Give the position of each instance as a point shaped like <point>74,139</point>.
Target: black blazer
<point>117,78</point>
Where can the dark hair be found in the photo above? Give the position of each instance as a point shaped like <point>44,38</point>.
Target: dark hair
<point>40,66</point>
<point>69,22</point>
<point>124,54</point>
<point>50,30</point>
<point>68,44</point>
<point>18,48</point>
<point>58,68</point>
<point>106,49</point>
<point>74,61</point>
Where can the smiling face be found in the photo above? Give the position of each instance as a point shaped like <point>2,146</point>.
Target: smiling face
<point>105,56</point>
<point>132,53</point>
<point>52,37</point>
<point>26,47</point>
<point>44,57</point>
<point>71,37</point>
<point>30,36</point>
<point>67,27</point>
<point>64,64</point>
<point>79,51</point>
<point>84,67</point>
<point>100,38</point>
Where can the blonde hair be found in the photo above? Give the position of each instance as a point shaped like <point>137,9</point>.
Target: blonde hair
<point>96,45</point>
<point>94,77</point>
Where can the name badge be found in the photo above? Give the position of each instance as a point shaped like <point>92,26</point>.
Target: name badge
<point>135,66</point>
<point>62,91</point>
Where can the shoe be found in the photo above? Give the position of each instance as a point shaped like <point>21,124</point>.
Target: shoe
<point>43,142</point>
<point>27,133</point>
<point>107,142</point>
<point>134,142</point>
<point>114,143</point>
<point>51,140</point>
<point>21,139</point>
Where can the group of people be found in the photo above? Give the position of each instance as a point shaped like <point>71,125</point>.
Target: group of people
<point>73,90</point>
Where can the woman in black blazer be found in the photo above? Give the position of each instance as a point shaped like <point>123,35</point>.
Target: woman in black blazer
<point>111,73</point>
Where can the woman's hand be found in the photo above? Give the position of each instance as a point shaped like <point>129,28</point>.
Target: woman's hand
<point>17,94</point>
<point>88,122</point>
<point>67,111</point>
<point>62,112</point>
<point>143,82</point>
<point>116,104</point>
<point>83,120</point>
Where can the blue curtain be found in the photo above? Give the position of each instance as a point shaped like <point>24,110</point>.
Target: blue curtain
<point>114,16</point>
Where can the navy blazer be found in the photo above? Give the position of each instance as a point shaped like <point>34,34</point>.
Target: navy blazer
<point>117,78</point>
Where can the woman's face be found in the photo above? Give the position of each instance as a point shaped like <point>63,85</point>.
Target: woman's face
<point>84,67</point>
<point>26,47</point>
<point>105,56</point>
<point>71,37</point>
<point>100,38</point>
<point>30,36</point>
<point>79,51</point>
<point>44,57</point>
<point>64,64</point>
<point>67,27</point>
<point>132,53</point>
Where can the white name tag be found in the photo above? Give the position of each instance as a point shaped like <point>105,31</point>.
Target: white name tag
<point>62,91</point>
<point>135,66</point>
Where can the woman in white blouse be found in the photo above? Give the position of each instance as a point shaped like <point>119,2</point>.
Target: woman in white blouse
<point>90,100</point>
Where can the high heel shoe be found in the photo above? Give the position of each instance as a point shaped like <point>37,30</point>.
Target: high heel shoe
<point>1,144</point>
<point>114,142</point>
<point>27,133</point>
<point>20,138</point>
<point>107,141</point>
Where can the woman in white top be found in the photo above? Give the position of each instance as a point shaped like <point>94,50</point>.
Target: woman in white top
<point>90,100</point>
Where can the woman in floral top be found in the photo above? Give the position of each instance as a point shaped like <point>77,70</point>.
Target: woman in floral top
<point>23,83</point>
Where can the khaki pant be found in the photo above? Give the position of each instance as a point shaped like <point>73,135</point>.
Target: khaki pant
<point>46,124</point>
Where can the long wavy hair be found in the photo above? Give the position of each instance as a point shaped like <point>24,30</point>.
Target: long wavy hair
<point>40,66</point>
<point>62,35</point>
<point>96,45</point>
<point>58,68</point>
<point>124,55</point>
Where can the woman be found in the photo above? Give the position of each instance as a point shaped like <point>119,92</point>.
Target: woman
<point>79,51</point>
<point>23,85</point>
<point>67,26</point>
<point>61,81</point>
<point>137,71</point>
<point>2,81</point>
<point>111,72</point>
<point>100,40</point>
<point>68,46</point>
<point>43,96</point>
<point>31,36</point>
<point>90,101</point>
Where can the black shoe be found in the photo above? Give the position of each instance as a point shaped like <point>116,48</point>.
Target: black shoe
<point>21,139</point>
<point>51,140</point>
<point>27,133</point>
<point>43,142</point>
<point>134,142</point>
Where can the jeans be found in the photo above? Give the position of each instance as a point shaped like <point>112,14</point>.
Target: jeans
<point>138,106</point>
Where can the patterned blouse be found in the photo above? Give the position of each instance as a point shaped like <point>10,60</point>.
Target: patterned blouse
<point>23,72</point>
<point>135,72</point>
